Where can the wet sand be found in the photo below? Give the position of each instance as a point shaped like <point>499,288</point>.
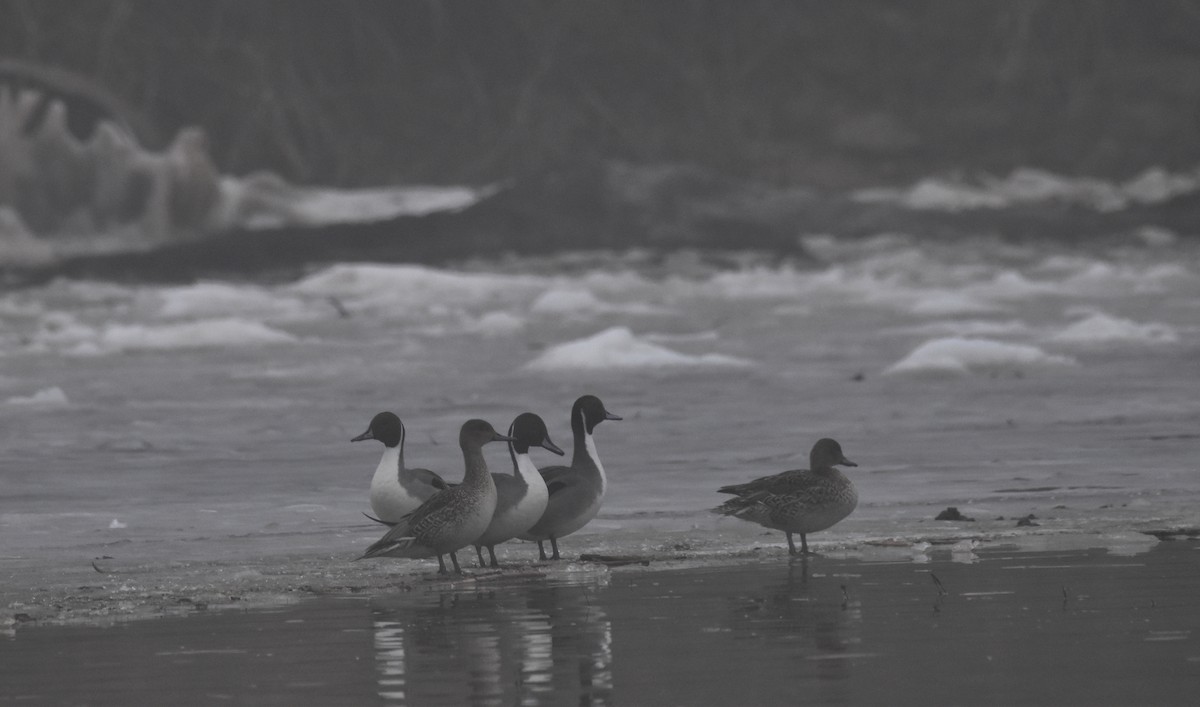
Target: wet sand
<point>997,626</point>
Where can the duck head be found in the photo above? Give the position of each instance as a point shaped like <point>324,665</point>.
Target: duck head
<point>476,433</point>
<point>386,428</point>
<point>529,430</point>
<point>827,453</point>
<point>588,412</point>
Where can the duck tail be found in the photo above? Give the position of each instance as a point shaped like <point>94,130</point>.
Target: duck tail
<point>730,507</point>
<point>386,546</point>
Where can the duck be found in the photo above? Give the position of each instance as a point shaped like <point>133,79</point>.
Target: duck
<point>799,501</point>
<point>576,491</point>
<point>454,517</point>
<point>521,496</point>
<point>396,490</point>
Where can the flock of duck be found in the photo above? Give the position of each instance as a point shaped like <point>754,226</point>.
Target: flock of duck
<point>430,517</point>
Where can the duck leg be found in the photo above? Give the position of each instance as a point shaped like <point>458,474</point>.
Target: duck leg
<point>479,551</point>
<point>441,565</point>
<point>492,552</point>
<point>554,544</point>
<point>454,559</point>
<point>541,551</point>
<point>792,545</point>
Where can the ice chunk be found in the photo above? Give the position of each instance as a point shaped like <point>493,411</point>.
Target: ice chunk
<point>1101,327</point>
<point>228,331</point>
<point>573,301</point>
<point>961,355</point>
<point>46,396</point>
<point>404,288</point>
<point>619,348</point>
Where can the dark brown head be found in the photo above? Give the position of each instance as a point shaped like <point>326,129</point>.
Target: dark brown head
<point>588,412</point>
<point>529,430</point>
<point>476,433</point>
<point>386,428</point>
<point>826,454</point>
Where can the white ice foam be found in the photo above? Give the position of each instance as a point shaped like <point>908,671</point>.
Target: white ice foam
<point>961,355</point>
<point>1031,186</point>
<point>619,348</point>
<point>266,201</point>
<point>46,396</point>
<point>942,302</point>
<point>64,333</point>
<point>664,338</point>
<point>401,289</point>
<point>967,327</point>
<point>573,301</point>
<point>227,331</point>
<point>215,299</point>
<point>347,206</point>
<point>563,301</point>
<point>1102,328</point>
<point>495,324</point>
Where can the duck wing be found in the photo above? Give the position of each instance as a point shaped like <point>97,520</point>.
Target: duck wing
<point>425,476</point>
<point>404,533</point>
<point>771,492</point>
<point>777,483</point>
<point>558,478</point>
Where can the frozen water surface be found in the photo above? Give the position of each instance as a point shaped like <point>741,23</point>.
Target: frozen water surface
<point>207,426</point>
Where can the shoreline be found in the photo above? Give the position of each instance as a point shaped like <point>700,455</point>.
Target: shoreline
<point>113,589</point>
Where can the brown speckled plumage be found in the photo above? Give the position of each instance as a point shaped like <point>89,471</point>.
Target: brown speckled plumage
<point>798,501</point>
<point>454,517</point>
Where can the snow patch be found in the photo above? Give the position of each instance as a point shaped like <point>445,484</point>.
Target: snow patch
<point>573,301</point>
<point>210,299</point>
<point>62,332</point>
<point>46,396</point>
<point>228,331</point>
<point>618,348</point>
<point>961,355</point>
<point>401,289</point>
<point>1031,186</point>
<point>1100,328</point>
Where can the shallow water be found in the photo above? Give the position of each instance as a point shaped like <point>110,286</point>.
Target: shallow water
<point>1074,627</point>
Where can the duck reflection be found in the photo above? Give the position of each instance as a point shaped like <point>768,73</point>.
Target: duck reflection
<point>544,644</point>
<point>580,641</point>
<point>815,620</point>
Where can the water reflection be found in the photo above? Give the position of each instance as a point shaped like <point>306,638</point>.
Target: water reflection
<point>517,642</point>
<point>811,621</point>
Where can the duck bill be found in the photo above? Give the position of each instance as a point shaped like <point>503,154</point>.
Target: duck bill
<point>503,438</point>
<point>609,416</point>
<point>847,462</point>
<point>551,447</point>
<point>364,435</point>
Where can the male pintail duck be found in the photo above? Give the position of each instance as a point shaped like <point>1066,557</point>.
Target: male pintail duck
<point>800,501</point>
<point>452,518</point>
<point>396,490</point>
<point>576,491</point>
<point>521,496</point>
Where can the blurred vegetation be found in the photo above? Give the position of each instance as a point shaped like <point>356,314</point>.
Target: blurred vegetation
<point>811,92</point>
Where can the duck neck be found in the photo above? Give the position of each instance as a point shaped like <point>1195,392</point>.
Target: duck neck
<point>585,455</point>
<point>400,447</point>
<point>476,467</point>
<point>829,472</point>
<point>524,468</point>
<point>390,464</point>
